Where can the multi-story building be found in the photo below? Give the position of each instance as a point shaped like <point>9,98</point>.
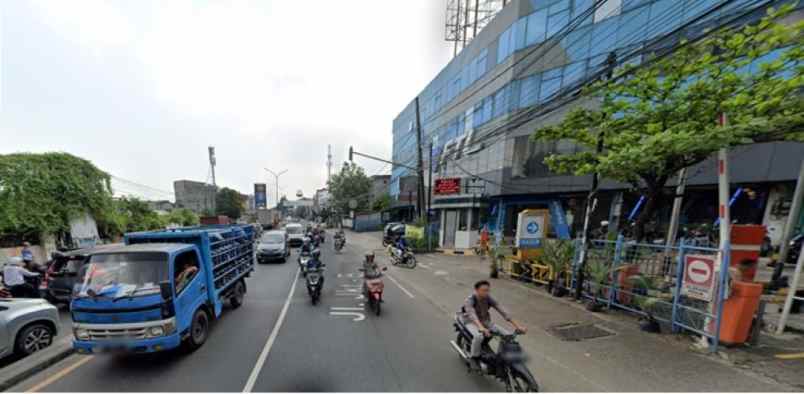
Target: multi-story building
<point>379,186</point>
<point>320,200</point>
<point>521,72</point>
<point>198,197</point>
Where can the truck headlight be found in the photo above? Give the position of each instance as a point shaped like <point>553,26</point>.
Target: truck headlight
<point>156,331</point>
<point>170,326</point>
<point>81,334</point>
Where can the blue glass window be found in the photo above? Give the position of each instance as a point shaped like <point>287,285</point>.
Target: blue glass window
<point>664,17</point>
<point>536,27</point>
<point>695,8</point>
<point>488,108</point>
<point>560,5</point>
<point>576,43</point>
<point>477,117</point>
<point>581,6</point>
<point>574,72</point>
<point>529,91</point>
<point>501,102</point>
<point>556,22</point>
<point>480,63</point>
<point>548,88</point>
<point>604,36</point>
<point>519,33</point>
<point>503,49</point>
<point>633,26</point>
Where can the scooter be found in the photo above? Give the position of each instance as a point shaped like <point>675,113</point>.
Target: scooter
<point>373,287</point>
<point>303,259</point>
<point>315,281</point>
<point>339,243</point>
<point>402,257</point>
<point>506,364</point>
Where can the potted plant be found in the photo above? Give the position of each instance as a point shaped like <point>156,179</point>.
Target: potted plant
<point>598,273</point>
<point>649,285</point>
<point>557,254</point>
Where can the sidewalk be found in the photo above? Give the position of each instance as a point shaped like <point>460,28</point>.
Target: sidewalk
<point>627,360</point>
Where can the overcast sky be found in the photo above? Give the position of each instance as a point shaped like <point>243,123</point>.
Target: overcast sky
<point>141,88</point>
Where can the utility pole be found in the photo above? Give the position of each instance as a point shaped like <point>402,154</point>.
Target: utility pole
<point>420,188</point>
<point>591,200</point>
<point>212,163</point>
<point>429,195</point>
<point>329,164</point>
<point>276,178</point>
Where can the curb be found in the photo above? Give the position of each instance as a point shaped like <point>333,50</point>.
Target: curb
<point>31,365</point>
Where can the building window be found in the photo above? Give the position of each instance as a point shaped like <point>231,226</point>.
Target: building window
<point>536,27</point>
<point>462,219</point>
<point>475,219</point>
<point>608,9</point>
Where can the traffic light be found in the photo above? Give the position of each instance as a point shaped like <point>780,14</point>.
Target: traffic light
<point>351,153</point>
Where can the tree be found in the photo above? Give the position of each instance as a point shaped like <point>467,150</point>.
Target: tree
<point>41,193</point>
<point>659,117</point>
<point>381,203</point>
<point>138,216</point>
<point>182,217</point>
<point>229,202</point>
<point>351,182</point>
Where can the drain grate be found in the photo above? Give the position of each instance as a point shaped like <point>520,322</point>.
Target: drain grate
<point>578,331</point>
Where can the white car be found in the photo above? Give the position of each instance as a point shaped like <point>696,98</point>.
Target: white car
<point>26,325</point>
<point>295,233</point>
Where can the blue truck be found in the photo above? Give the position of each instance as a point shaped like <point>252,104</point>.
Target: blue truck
<point>161,289</point>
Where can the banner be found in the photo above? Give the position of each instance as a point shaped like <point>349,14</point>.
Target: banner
<point>260,199</point>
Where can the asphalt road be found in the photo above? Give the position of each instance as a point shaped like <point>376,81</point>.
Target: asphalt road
<point>332,346</point>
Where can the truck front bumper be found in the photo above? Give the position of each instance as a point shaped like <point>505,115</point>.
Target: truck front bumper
<point>128,346</point>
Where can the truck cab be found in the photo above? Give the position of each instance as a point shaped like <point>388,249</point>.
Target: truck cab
<point>153,294</point>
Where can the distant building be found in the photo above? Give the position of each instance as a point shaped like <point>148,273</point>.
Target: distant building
<point>198,197</point>
<point>321,200</point>
<point>161,206</point>
<point>379,185</point>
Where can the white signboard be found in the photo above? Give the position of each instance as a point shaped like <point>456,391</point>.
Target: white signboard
<point>530,231</point>
<point>699,276</point>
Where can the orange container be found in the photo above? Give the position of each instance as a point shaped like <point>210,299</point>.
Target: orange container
<point>746,240</point>
<point>738,312</point>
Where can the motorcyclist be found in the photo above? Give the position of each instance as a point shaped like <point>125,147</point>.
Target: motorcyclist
<point>370,267</point>
<point>14,275</point>
<point>314,263</point>
<point>306,247</point>
<point>475,315</point>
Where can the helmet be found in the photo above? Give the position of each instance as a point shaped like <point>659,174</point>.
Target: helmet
<point>370,257</point>
<point>316,254</point>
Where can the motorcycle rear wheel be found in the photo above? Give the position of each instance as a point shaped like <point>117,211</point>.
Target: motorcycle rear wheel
<point>522,383</point>
<point>411,261</point>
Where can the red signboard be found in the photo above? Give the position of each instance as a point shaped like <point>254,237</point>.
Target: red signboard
<point>447,186</point>
<point>699,276</point>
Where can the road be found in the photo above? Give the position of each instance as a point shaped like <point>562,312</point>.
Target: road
<point>332,346</point>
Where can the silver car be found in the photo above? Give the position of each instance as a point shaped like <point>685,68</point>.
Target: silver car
<point>26,325</point>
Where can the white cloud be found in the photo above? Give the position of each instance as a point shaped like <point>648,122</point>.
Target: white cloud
<point>91,23</point>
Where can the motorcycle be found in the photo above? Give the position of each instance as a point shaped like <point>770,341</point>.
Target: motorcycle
<point>303,259</point>
<point>315,282</point>
<point>339,243</point>
<point>506,364</point>
<point>373,287</point>
<point>402,257</point>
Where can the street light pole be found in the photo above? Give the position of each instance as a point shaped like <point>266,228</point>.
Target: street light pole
<point>276,178</point>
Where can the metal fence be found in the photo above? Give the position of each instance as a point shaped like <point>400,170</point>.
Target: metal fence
<point>647,280</point>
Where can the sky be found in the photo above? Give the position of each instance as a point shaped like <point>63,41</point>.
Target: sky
<point>142,88</point>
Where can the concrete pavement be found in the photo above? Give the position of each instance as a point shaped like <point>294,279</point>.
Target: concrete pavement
<point>338,346</point>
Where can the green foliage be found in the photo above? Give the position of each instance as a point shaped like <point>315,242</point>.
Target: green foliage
<point>557,254</point>
<point>661,116</point>
<point>41,193</point>
<point>351,182</point>
<point>182,217</point>
<point>381,203</point>
<point>229,202</point>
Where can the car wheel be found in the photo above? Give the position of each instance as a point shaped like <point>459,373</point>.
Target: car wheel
<point>33,338</point>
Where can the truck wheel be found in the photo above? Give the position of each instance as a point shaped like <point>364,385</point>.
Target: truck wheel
<point>238,293</point>
<point>199,330</point>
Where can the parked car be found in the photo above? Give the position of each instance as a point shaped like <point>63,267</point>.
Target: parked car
<point>26,325</point>
<point>295,234</point>
<point>272,246</point>
<point>63,273</point>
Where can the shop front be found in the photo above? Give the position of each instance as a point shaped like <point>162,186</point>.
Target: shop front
<point>462,213</point>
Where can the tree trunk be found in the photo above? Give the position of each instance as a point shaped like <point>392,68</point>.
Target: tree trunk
<point>652,202</point>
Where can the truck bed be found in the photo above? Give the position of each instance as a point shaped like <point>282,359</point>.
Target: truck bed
<point>229,248</point>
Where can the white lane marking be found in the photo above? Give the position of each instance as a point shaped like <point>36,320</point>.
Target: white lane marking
<point>358,316</point>
<point>60,374</point>
<point>425,266</point>
<point>271,338</point>
<point>345,308</point>
<point>400,286</point>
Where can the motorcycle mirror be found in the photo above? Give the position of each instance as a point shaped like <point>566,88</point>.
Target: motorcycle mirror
<point>165,290</point>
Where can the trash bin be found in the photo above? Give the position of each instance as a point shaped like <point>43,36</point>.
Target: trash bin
<point>738,312</point>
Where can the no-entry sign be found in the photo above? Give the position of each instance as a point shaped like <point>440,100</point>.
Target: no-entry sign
<point>699,276</point>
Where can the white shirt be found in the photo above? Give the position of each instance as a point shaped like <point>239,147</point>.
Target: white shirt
<point>15,275</point>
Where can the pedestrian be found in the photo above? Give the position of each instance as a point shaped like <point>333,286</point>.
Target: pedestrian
<point>26,253</point>
<point>14,275</point>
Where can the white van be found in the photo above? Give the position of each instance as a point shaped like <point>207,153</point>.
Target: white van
<point>295,233</point>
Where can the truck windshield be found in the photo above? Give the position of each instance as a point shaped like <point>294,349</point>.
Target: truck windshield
<point>123,275</point>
